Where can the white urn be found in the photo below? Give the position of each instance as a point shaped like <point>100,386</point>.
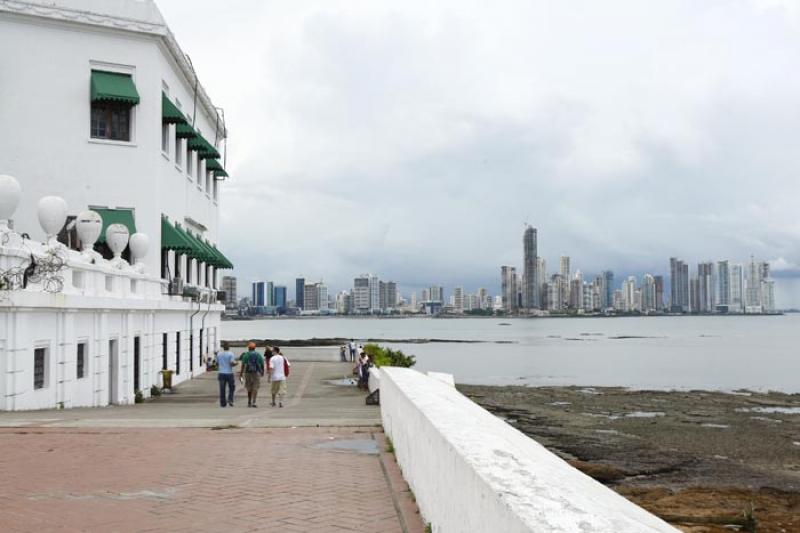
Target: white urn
<point>117,237</point>
<point>89,225</point>
<point>10,194</point>
<point>139,243</point>
<point>52,211</point>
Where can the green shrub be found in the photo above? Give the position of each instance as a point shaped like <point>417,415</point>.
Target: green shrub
<point>138,397</point>
<point>387,357</point>
<point>155,392</point>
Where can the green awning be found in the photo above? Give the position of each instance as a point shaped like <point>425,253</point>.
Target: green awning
<point>225,262</point>
<point>213,164</point>
<point>204,149</point>
<point>115,216</point>
<point>199,251</point>
<point>173,239</point>
<point>184,131</point>
<point>113,87</point>
<point>220,173</point>
<point>170,114</point>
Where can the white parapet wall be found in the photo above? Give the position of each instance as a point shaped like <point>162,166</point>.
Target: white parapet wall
<point>472,472</point>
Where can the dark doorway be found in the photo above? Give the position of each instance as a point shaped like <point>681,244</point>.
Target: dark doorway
<point>177,352</point>
<point>137,363</point>
<point>191,351</point>
<point>163,351</point>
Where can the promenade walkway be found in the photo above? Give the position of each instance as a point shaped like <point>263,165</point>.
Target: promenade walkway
<point>181,463</point>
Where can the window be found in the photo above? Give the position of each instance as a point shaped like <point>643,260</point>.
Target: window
<point>189,166</point>
<point>178,151</point>
<point>39,367</point>
<point>199,172</point>
<point>111,120</point>
<point>81,361</point>
<point>216,188</point>
<point>208,182</point>
<point>165,139</point>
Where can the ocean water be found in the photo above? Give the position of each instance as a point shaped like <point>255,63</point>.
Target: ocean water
<point>683,352</point>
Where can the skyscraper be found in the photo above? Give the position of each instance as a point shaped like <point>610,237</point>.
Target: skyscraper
<point>458,299</point>
<point>280,292</point>
<point>648,293</point>
<point>609,285</point>
<point>229,286</point>
<point>679,286</point>
<point>724,289</point>
<point>529,275</point>
<point>508,282</point>
<point>737,289</point>
<point>705,288</point>
<point>659,282</point>
<point>259,294</point>
<point>299,292</point>
<point>361,294</point>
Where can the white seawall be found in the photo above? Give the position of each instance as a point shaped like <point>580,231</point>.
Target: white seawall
<point>472,472</point>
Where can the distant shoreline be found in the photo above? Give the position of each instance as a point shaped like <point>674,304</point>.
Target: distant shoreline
<point>339,341</point>
<point>494,317</point>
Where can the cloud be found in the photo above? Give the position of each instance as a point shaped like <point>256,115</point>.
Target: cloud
<point>413,140</point>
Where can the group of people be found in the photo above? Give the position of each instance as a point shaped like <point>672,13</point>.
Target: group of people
<point>350,348</point>
<point>252,367</point>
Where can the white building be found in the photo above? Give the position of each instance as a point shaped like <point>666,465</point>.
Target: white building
<point>105,111</point>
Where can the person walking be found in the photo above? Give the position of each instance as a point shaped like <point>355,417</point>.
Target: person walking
<point>278,373</point>
<point>352,347</point>
<point>252,369</point>
<point>342,354</point>
<point>225,363</point>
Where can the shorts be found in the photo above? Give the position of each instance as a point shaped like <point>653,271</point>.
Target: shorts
<point>252,381</point>
<point>278,388</point>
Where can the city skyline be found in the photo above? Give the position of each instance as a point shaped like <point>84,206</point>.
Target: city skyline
<point>621,165</point>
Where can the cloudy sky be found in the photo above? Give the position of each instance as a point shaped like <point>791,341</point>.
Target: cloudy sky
<point>414,139</point>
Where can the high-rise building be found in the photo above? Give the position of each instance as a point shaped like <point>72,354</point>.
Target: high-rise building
<point>724,288</point>
<point>679,286</point>
<point>388,295</point>
<point>737,289</point>
<point>280,299</point>
<point>259,297</point>
<point>458,299</point>
<point>508,283</point>
<point>374,293</point>
<point>629,295</point>
<point>529,275</point>
<point>322,296</point>
<point>436,294</point>
<point>556,294</point>
<point>659,281</point>
<point>576,291</point>
<point>310,297</point>
<point>484,299</point>
<point>649,294</point>
<point>609,284</point>
<point>229,286</point>
<point>753,286</point>
<point>541,281</point>
<point>694,294</point>
<point>361,294</point>
<point>564,270</point>
<point>767,294</point>
<point>344,302</point>
<point>270,294</point>
<point>705,288</point>
<point>299,292</point>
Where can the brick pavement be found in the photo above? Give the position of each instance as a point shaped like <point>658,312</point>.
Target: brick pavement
<point>167,466</point>
<point>199,480</point>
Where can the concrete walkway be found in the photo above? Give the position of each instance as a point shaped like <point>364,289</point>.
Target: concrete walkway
<point>311,401</point>
<point>181,463</point>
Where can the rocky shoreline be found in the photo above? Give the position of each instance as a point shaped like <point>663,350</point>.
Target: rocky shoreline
<point>705,461</point>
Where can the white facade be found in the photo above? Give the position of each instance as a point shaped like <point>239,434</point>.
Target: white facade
<point>118,317</point>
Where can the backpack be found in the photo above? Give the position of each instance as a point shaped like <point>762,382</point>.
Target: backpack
<point>252,365</point>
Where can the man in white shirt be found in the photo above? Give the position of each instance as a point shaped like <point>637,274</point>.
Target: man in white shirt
<point>352,346</point>
<point>278,368</point>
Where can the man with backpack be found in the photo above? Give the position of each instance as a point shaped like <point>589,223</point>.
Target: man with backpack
<point>252,369</point>
<point>278,372</point>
